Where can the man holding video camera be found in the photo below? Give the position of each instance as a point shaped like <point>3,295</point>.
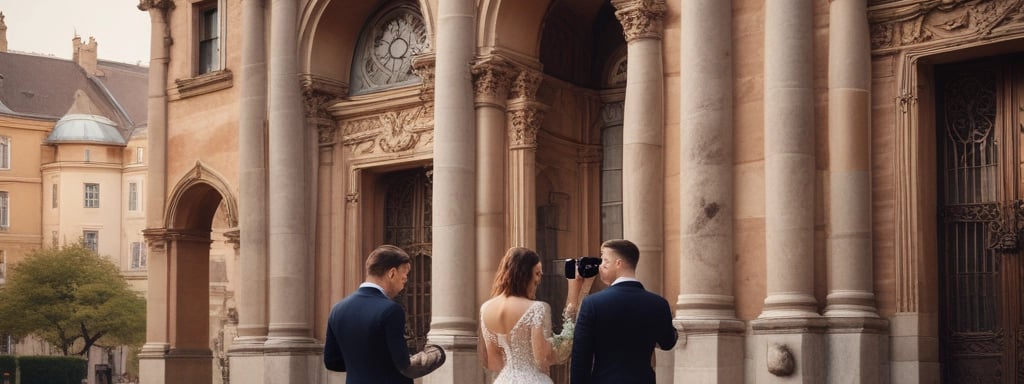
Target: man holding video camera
<point>617,328</point>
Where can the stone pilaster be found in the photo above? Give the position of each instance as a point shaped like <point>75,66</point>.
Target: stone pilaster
<point>706,307</point>
<point>789,324</point>
<point>453,324</point>
<point>525,116</point>
<point>492,78</point>
<point>643,133</point>
<point>290,353</point>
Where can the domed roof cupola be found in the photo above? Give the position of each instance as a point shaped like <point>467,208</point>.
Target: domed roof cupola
<point>80,128</point>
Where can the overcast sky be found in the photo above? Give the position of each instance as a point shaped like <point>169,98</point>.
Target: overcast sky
<point>47,27</point>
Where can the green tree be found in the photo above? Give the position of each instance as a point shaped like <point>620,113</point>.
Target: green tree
<point>73,299</point>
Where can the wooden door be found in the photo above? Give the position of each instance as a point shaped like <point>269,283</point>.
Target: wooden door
<point>978,116</point>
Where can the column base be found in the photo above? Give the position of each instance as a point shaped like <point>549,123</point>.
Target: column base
<point>462,365</point>
<point>175,366</point>
<point>914,343</point>
<point>290,360</point>
<point>857,351</point>
<point>709,351</point>
<point>152,367</point>
<point>790,349</point>
<point>245,359</point>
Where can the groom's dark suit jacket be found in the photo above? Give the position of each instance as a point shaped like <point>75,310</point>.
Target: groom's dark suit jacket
<point>616,331</point>
<point>366,339</point>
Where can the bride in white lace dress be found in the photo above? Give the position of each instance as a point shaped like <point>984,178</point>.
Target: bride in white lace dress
<point>517,338</point>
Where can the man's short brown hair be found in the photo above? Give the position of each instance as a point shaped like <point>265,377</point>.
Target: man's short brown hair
<point>625,249</point>
<point>384,258</point>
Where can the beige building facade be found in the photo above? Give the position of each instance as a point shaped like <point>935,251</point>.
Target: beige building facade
<point>826,191</point>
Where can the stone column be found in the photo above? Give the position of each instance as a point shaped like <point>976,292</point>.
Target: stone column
<point>789,322</point>
<point>643,128</point>
<point>492,77</point>
<point>706,307</point>
<point>854,326</point>
<point>247,350</point>
<point>290,350</point>
<point>524,118</point>
<point>152,365</point>
<point>453,323</point>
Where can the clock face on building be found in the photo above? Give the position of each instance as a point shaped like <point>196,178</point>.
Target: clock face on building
<point>396,39</point>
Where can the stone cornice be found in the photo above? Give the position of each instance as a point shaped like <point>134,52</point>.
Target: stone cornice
<point>905,23</point>
<point>202,84</point>
<point>641,19</point>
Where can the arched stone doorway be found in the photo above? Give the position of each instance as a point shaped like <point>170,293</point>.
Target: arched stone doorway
<point>179,343</point>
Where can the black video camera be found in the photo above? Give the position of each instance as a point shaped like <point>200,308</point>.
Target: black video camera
<point>586,266</point>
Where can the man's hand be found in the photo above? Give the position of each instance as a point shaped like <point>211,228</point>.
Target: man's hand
<point>420,364</point>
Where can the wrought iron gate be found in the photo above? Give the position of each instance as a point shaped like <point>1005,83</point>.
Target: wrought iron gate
<point>978,108</point>
<point>407,205</point>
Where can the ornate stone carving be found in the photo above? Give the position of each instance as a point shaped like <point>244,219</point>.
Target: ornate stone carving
<point>492,78</point>
<point>319,93</point>
<point>899,24</point>
<point>423,66</point>
<point>391,131</point>
<point>163,5</point>
<point>613,113</point>
<point>526,84</point>
<point>524,122</point>
<point>640,19</point>
<point>352,198</point>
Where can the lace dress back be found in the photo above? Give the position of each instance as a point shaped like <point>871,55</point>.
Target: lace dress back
<point>517,346</point>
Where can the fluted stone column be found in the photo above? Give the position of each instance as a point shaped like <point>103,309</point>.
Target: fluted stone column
<point>706,308</point>
<point>854,326</point>
<point>453,319</point>
<point>247,349</point>
<point>642,136</point>
<point>152,366</point>
<point>789,320</point>
<point>492,77</point>
<point>525,115</point>
<point>290,350</point>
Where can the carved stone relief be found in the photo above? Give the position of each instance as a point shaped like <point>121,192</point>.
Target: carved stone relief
<point>492,79</point>
<point>318,93</point>
<point>641,19</point>
<point>423,66</point>
<point>895,25</point>
<point>524,122</point>
<point>390,131</point>
<point>526,84</point>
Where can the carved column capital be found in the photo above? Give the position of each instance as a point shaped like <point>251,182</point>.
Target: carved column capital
<point>613,113</point>
<point>492,79</point>
<point>526,83</point>
<point>641,19</point>
<point>525,118</point>
<point>423,66</point>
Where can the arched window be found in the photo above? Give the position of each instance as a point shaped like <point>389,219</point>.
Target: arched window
<point>387,45</point>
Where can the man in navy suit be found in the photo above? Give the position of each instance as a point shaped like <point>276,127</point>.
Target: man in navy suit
<point>366,331</point>
<point>617,328</point>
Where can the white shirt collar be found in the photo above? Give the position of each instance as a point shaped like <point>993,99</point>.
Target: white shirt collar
<point>372,285</point>
<point>624,279</point>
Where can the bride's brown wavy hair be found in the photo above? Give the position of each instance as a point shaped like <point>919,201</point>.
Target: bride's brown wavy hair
<point>515,272</point>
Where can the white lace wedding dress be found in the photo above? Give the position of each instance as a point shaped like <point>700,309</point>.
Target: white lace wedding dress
<point>517,346</point>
